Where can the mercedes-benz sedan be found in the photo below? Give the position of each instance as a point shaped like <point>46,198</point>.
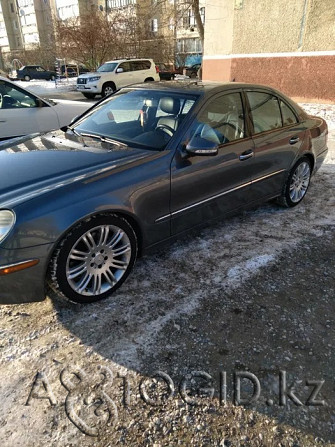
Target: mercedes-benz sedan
<point>79,205</point>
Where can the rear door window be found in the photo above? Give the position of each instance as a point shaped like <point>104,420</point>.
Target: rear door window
<point>287,114</point>
<point>141,65</point>
<point>265,111</point>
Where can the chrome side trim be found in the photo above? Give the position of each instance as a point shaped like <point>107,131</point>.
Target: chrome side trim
<point>160,219</point>
<point>202,201</point>
<point>2,267</point>
<point>267,176</point>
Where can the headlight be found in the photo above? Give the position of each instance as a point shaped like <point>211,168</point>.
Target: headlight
<point>95,78</point>
<point>7,220</point>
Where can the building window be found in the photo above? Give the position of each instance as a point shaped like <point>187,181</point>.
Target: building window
<point>113,4</point>
<point>202,14</point>
<point>12,7</point>
<point>191,19</point>
<point>189,46</point>
<point>154,25</point>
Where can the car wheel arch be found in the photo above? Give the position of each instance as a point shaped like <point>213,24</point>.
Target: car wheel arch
<point>106,84</point>
<point>131,219</point>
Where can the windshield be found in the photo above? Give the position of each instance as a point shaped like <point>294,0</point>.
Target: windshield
<point>107,67</point>
<point>138,118</point>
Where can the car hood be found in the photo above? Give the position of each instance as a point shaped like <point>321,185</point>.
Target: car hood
<point>94,73</point>
<point>33,166</point>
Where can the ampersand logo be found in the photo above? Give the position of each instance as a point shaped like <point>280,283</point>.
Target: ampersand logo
<point>87,405</point>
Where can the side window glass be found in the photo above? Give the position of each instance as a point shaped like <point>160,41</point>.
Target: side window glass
<point>136,66</point>
<point>265,111</point>
<point>221,121</point>
<point>13,98</point>
<point>125,66</point>
<point>287,114</point>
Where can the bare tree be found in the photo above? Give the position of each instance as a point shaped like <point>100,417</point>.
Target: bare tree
<point>90,39</point>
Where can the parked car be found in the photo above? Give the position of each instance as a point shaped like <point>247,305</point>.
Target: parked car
<point>29,72</point>
<point>72,70</point>
<point>116,74</point>
<point>165,73</point>
<point>192,71</point>
<point>152,161</point>
<point>22,112</point>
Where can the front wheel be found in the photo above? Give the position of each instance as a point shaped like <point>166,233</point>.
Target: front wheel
<point>297,183</point>
<point>108,89</point>
<point>94,259</point>
<point>27,78</point>
<point>52,77</point>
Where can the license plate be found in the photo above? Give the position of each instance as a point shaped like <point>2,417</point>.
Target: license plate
<point>80,87</point>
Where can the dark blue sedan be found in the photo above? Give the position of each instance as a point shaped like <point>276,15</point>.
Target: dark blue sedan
<point>79,205</point>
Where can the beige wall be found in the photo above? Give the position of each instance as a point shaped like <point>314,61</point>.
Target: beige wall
<point>302,29</point>
<point>320,26</point>
<point>219,27</point>
<point>266,26</point>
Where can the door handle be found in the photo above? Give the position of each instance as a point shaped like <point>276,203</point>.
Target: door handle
<point>247,154</point>
<point>294,140</point>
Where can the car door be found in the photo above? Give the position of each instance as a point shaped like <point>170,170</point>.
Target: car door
<point>22,113</point>
<point>40,73</point>
<point>204,187</point>
<point>126,77</point>
<point>277,135</point>
<point>141,70</point>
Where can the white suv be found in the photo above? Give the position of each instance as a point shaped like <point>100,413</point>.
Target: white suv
<point>116,74</point>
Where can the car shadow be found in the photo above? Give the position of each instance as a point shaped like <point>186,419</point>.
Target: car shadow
<point>261,324</point>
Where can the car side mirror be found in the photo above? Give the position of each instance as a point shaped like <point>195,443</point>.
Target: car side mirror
<point>119,70</point>
<point>201,146</point>
<point>39,102</point>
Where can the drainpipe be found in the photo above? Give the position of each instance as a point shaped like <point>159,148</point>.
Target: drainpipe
<point>303,26</point>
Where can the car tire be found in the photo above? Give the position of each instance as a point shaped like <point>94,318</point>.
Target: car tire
<point>193,75</point>
<point>297,183</point>
<point>89,95</point>
<point>93,259</point>
<point>26,78</point>
<point>52,77</point>
<point>108,89</point>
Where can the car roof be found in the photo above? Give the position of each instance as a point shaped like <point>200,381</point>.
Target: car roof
<point>200,87</point>
<point>129,60</point>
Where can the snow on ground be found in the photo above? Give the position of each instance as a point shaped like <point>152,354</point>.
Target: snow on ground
<point>42,87</point>
<point>170,299</point>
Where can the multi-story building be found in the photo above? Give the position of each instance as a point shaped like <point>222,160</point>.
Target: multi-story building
<point>188,42</point>
<point>4,42</point>
<point>162,29</point>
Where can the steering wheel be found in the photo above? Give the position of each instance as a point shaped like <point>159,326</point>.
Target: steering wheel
<point>165,128</point>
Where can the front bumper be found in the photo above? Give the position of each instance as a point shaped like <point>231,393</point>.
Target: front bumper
<point>26,285</point>
<point>88,88</point>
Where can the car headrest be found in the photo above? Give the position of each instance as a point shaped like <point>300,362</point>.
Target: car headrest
<point>169,105</point>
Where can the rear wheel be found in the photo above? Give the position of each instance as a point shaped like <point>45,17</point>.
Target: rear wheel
<point>149,80</point>
<point>297,183</point>
<point>107,89</point>
<point>94,259</point>
<point>89,95</point>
